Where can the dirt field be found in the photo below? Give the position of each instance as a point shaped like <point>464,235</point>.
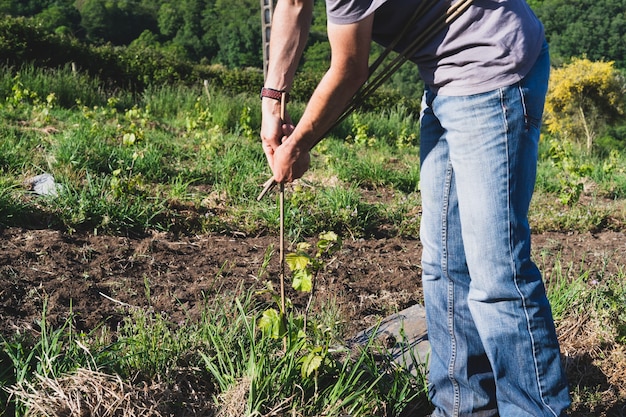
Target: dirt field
<point>369,278</point>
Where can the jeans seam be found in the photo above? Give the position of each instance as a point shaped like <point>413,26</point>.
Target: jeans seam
<point>444,267</point>
<point>514,270</point>
<point>530,121</point>
<point>503,101</point>
<point>527,120</point>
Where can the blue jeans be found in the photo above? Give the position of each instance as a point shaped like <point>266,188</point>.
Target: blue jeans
<point>494,345</point>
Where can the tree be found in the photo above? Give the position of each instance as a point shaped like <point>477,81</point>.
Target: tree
<point>60,18</point>
<point>583,98</point>
<point>237,29</point>
<point>119,22</point>
<point>534,4</point>
<point>170,19</point>
<point>23,7</point>
<point>595,28</point>
<point>182,26</point>
<point>316,56</point>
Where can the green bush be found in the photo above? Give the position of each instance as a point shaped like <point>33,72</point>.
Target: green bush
<point>24,42</point>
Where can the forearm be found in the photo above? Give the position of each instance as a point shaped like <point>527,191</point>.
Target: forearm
<point>348,70</point>
<point>290,29</point>
<point>287,151</point>
<point>325,106</point>
<point>291,159</point>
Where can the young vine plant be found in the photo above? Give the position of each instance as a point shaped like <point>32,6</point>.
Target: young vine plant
<point>305,263</point>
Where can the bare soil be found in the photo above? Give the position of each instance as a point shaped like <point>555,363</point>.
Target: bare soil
<point>370,279</point>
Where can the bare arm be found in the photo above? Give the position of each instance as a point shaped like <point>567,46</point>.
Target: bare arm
<point>291,22</point>
<point>350,45</point>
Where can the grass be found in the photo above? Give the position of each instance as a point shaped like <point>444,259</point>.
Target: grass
<point>226,354</point>
<point>591,326</point>
<point>68,87</point>
<point>241,370</point>
<point>186,159</point>
<point>121,161</point>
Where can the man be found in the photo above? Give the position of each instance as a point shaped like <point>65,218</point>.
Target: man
<point>494,345</point>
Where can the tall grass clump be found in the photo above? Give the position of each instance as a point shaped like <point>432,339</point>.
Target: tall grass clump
<point>566,290</point>
<point>16,150</point>
<point>108,204</point>
<point>224,354</point>
<point>588,306</point>
<point>84,149</point>
<point>49,353</point>
<point>169,102</point>
<point>577,190</point>
<point>396,126</point>
<point>373,164</point>
<point>236,169</point>
<point>266,375</point>
<point>609,173</point>
<point>582,292</point>
<point>405,214</point>
<point>12,209</point>
<point>377,151</point>
<point>570,171</point>
<point>69,87</point>
<point>340,209</point>
<point>548,214</point>
<point>203,106</point>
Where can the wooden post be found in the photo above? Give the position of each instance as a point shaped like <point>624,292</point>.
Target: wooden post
<point>267,9</point>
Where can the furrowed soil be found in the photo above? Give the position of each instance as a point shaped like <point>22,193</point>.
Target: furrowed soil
<point>98,277</point>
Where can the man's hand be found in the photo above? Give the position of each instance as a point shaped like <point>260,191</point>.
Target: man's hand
<point>287,147</point>
<point>287,160</point>
<point>290,161</point>
<point>274,129</point>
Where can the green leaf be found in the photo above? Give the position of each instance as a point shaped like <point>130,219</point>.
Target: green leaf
<point>302,280</point>
<point>129,139</point>
<point>303,247</point>
<point>272,324</point>
<point>329,236</point>
<point>328,240</point>
<point>297,261</point>
<point>312,362</point>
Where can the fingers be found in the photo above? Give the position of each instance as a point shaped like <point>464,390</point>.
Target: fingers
<point>288,129</point>
<point>286,160</point>
<point>289,162</point>
<point>271,142</point>
<point>268,149</point>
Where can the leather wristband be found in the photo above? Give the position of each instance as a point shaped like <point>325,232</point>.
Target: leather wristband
<point>273,93</point>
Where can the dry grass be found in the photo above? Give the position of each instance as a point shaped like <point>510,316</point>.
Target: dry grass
<point>88,393</point>
<point>96,394</point>
<point>595,365</point>
<point>232,403</point>
<point>232,400</point>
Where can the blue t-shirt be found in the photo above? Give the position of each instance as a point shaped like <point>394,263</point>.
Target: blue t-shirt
<point>491,45</point>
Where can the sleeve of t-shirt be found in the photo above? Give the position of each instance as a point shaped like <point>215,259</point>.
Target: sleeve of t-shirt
<point>343,12</point>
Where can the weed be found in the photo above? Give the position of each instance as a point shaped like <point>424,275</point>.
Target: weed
<point>571,172</point>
